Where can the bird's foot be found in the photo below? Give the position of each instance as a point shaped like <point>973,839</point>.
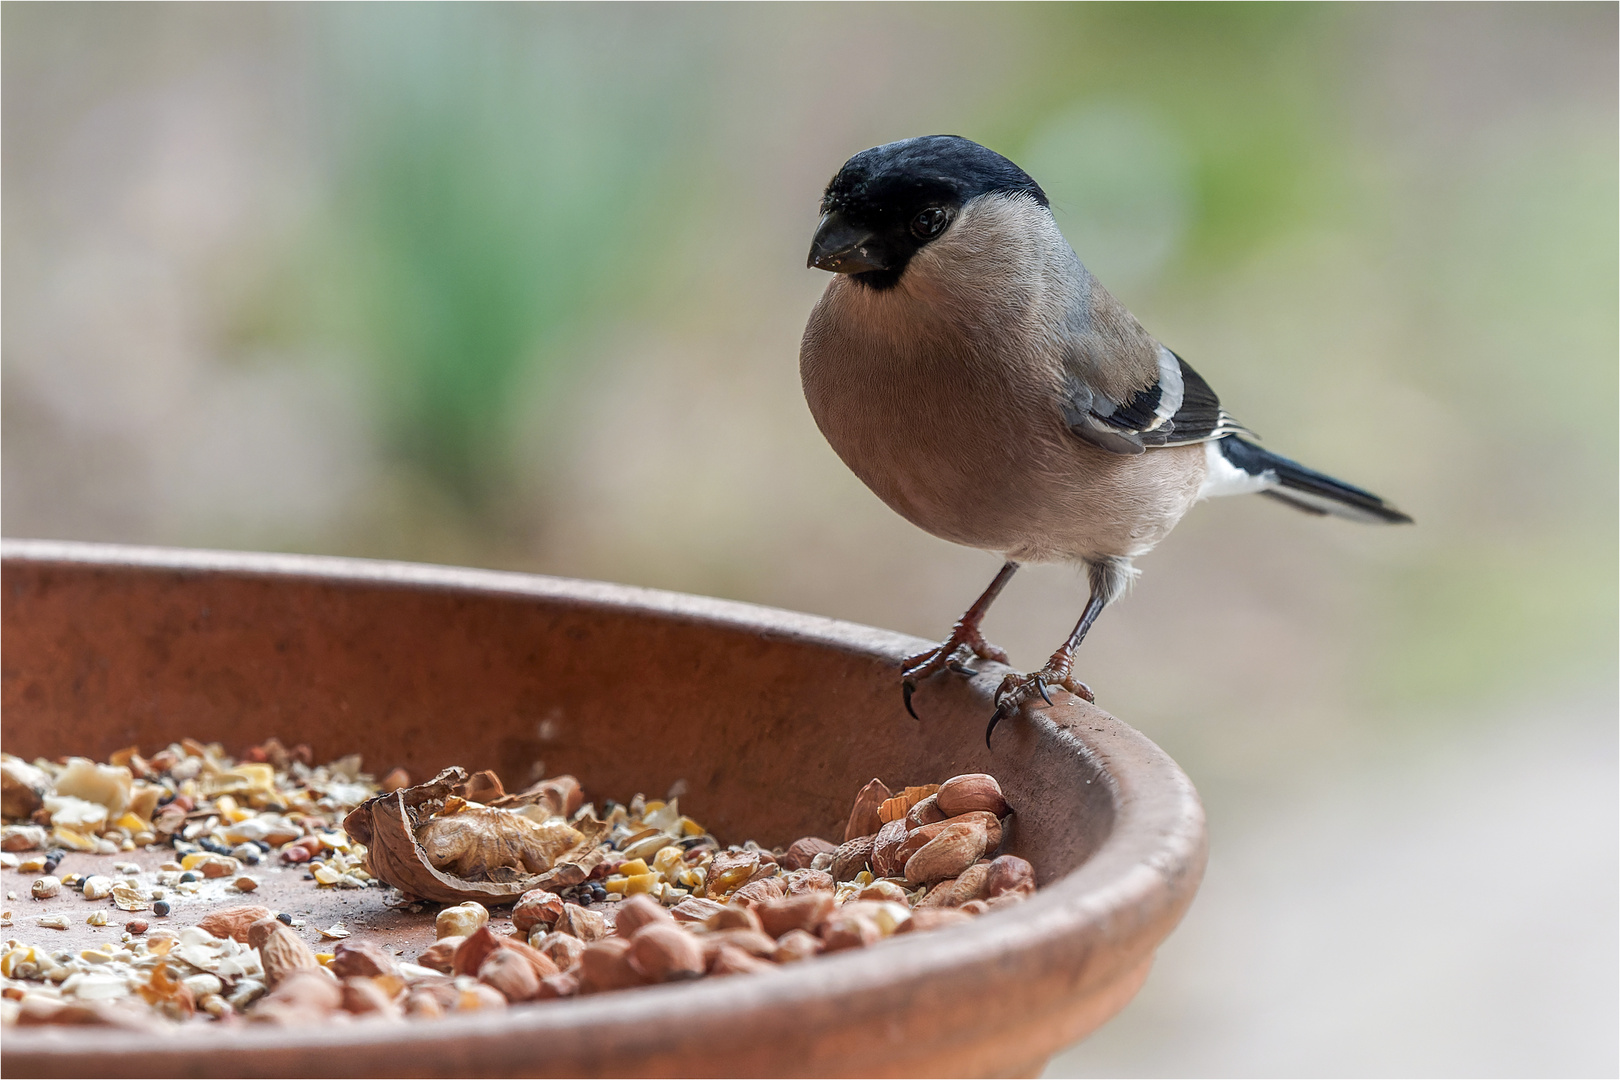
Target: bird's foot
<point>1016,689</point>
<point>964,638</point>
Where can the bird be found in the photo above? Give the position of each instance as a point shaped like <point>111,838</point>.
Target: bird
<point>970,370</point>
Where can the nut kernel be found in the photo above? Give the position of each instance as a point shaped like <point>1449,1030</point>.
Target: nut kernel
<point>461,920</point>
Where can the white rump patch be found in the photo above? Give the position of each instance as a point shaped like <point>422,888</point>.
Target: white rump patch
<point>1221,477</point>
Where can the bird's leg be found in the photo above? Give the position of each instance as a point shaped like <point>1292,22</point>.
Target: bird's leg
<point>964,635</point>
<point>1017,689</point>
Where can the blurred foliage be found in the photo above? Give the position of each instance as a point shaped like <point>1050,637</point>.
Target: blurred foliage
<point>500,172</point>
<point>1247,88</point>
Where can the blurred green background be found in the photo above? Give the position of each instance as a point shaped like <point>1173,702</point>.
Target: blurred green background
<point>522,287</point>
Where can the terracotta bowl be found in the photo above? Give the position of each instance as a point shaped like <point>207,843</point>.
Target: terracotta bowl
<point>772,719</point>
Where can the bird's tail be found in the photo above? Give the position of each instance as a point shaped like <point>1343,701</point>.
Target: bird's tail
<point>1305,489</point>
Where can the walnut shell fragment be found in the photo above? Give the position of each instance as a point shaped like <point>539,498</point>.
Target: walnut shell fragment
<point>475,861</point>
<point>559,795</point>
<point>22,787</point>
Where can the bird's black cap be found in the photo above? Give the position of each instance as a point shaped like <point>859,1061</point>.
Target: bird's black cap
<point>871,226</point>
<point>944,167</point>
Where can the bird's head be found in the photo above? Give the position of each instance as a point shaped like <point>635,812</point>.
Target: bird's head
<point>889,202</point>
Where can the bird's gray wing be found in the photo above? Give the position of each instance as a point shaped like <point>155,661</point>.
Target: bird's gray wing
<point>1124,392</point>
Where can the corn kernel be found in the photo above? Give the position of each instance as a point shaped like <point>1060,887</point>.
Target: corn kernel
<point>691,828</point>
<point>640,883</point>
<point>634,867</point>
<point>16,956</point>
<point>257,776</point>
<point>615,883</point>
<point>132,823</point>
<point>190,861</point>
<point>72,839</point>
<point>656,804</point>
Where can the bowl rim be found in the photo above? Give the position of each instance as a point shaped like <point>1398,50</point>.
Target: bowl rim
<point>1136,885</point>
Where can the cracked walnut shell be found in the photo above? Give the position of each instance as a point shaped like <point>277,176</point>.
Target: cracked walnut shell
<point>427,841</point>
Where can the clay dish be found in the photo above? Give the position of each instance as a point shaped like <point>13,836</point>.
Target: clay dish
<point>771,719</point>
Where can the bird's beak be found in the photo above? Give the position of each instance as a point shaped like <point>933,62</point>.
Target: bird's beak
<point>844,248</point>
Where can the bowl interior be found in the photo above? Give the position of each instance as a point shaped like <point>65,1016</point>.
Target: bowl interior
<point>766,723</point>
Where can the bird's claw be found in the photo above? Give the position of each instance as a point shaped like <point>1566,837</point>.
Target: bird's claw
<point>1017,689</point>
<point>914,669</point>
<point>995,718</point>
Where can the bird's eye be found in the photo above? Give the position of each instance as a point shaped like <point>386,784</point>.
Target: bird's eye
<point>927,225</point>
